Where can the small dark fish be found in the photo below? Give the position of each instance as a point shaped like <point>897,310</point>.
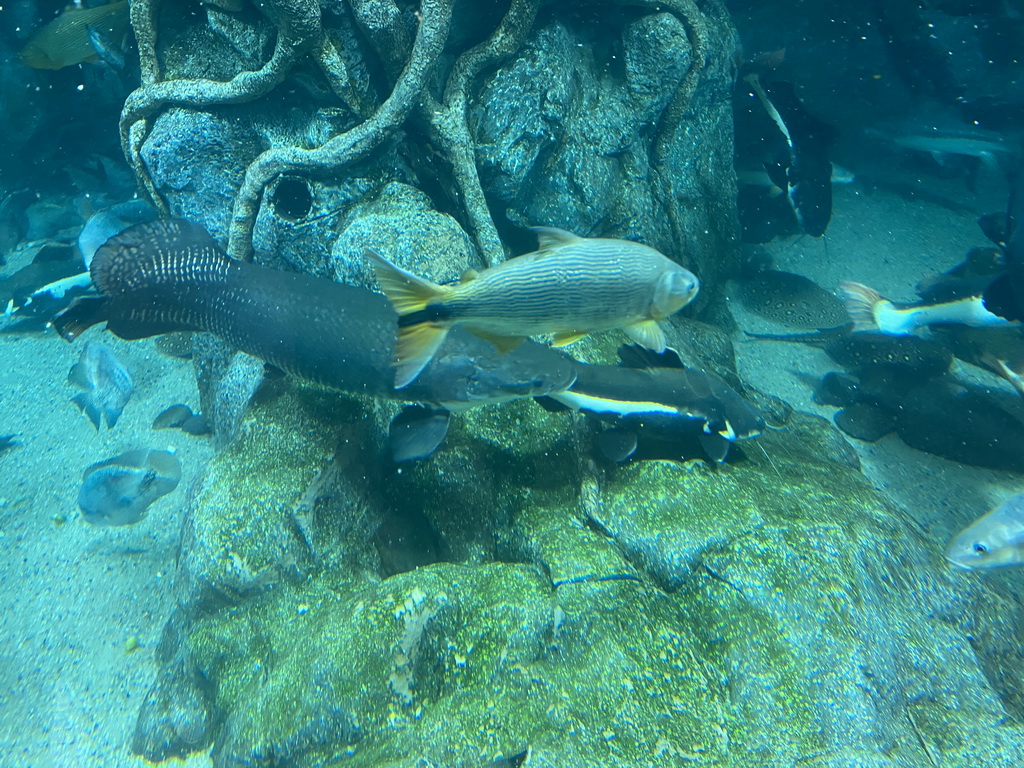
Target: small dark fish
<point>172,417</point>
<point>119,490</point>
<point>793,300</point>
<point>806,174</point>
<point>994,540</point>
<point>16,289</point>
<point>8,441</point>
<point>617,444</point>
<point>106,383</point>
<point>417,431</point>
<point>109,51</point>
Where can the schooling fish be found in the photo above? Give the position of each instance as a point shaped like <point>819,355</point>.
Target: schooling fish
<point>170,275</point>
<point>118,491</point>
<point>569,287</point>
<point>656,393</point>
<point>994,540</point>
<point>106,383</point>
<point>871,312</point>
<point>65,41</point>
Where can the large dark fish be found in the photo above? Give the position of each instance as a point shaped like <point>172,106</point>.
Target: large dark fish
<point>962,424</point>
<point>170,275</point>
<point>656,393</point>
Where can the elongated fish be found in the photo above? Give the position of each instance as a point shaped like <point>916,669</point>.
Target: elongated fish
<point>170,275</point>
<point>656,393</point>
<point>994,540</point>
<point>569,287</point>
<point>870,311</point>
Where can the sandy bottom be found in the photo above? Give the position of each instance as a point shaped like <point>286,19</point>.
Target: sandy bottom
<point>74,597</point>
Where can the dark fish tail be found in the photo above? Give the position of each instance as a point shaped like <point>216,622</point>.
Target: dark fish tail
<point>164,252</point>
<point>81,315</point>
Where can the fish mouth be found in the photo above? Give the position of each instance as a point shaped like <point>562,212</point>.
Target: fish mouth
<point>959,565</point>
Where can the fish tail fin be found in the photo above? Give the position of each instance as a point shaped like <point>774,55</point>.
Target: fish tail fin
<point>407,292</point>
<point>861,304</point>
<point>162,252</point>
<point>89,408</point>
<point>421,331</point>
<point>415,347</point>
<point>82,314</point>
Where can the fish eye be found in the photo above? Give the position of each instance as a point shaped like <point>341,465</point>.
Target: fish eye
<point>979,548</point>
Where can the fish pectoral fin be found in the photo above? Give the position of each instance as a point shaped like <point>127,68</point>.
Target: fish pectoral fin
<point>715,446</point>
<point>468,276</point>
<point>564,339</point>
<point>617,444</point>
<point>417,431</point>
<point>647,333</point>
<point>407,292</point>
<point>415,347</point>
<point>553,238</point>
<point>504,344</point>
<point>89,408</point>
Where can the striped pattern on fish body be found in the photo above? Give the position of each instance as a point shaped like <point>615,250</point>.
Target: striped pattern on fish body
<point>64,41</point>
<point>592,285</point>
<point>569,287</point>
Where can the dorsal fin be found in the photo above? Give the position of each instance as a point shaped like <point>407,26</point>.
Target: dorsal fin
<point>550,238</point>
<point>635,356</point>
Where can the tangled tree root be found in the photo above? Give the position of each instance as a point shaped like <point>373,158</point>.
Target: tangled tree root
<point>300,34</point>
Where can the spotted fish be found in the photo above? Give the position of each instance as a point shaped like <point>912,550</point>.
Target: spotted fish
<point>792,300</point>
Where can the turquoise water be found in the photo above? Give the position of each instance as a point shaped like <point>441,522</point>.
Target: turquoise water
<point>594,554</point>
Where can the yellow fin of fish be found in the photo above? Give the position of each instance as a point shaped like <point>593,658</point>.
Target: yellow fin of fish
<point>564,339</point>
<point>406,292</point>
<point>553,238</point>
<point>647,333</point>
<point>415,346</point>
<point>504,344</point>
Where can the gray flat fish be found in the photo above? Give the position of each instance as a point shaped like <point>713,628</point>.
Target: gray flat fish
<point>106,384</point>
<point>792,300</point>
<point>118,491</point>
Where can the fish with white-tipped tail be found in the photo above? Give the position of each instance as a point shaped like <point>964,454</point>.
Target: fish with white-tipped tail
<point>870,311</point>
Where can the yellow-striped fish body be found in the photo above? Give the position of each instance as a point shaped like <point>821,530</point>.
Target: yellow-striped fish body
<point>569,287</point>
<point>64,41</point>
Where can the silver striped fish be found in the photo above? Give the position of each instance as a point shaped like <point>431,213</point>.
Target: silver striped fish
<point>569,287</point>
